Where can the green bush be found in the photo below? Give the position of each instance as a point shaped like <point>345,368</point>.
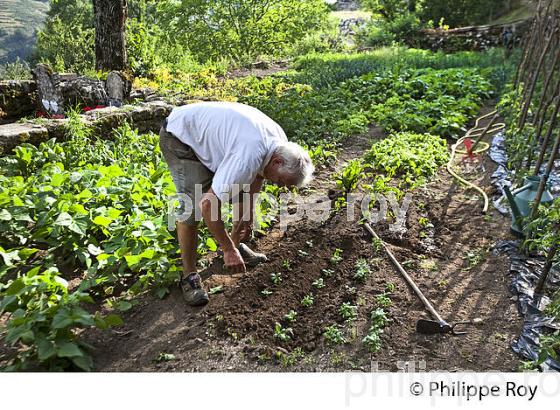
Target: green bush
<point>381,32</point>
<point>18,70</point>
<point>44,316</point>
<point>326,39</point>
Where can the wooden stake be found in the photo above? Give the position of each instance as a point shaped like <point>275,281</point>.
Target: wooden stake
<point>544,179</point>
<point>534,79</point>
<point>546,142</point>
<point>540,116</point>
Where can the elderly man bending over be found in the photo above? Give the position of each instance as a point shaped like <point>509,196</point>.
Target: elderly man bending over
<point>221,149</point>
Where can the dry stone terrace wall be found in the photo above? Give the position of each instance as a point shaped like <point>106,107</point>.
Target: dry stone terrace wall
<point>475,38</point>
<point>17,99</point>
<point>145,117</point>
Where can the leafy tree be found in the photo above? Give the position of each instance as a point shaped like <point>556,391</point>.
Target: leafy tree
<point>240,29</point>
<point>67,39</point>
<point>454,13</point>
<point>391,9</point>
<point>399,22</point>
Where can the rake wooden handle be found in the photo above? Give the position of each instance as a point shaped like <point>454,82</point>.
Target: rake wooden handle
<point>406,276</point>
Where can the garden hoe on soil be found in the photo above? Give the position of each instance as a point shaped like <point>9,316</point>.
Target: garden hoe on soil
<point>424,326</point>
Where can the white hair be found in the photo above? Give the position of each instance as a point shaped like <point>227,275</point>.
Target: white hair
<point>296,162</point>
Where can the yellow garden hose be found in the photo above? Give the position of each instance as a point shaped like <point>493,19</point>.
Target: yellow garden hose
<point>479,147</point>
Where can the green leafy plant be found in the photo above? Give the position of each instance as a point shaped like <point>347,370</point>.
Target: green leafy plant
<point>372,340</point>
<point>307,300</point>
<point>409,156</point>
<point>424,222</point>
<point>165,357</point>
<point>349,177</point>
<point>266,292</point>
<point>377,245</point>
<point>390,287</point>
<point>383,300</point>
<point>319,283</point>
<point>379,318</point>
<point>474,258</point>
<point>336,258</point>
<point>282,333</point>
<point>276,278</point>
<point>327,272</point>
<point>348,311</point>
<point>44,318</point>
<point>291,358</point>
<point>362,270</point>
<point>334,335</point>
<point>291,316</point>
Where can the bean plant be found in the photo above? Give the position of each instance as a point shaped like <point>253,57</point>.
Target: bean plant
<point>334,335</point>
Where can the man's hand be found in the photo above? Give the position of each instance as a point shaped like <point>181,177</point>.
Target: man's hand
<point>233,261</point>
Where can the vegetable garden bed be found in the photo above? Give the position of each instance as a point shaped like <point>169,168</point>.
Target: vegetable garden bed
<point>86,248</point>
<point>452,261</point>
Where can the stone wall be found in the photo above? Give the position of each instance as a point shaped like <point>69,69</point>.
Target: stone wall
<point>145,117</point>
<point>474,38</point>
<point>17,99</point>
<point>349,27</point>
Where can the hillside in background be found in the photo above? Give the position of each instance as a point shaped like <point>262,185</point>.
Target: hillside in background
<point>19,20</point>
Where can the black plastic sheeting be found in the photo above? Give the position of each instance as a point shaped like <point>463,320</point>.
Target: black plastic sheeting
<point>504,176</point>
<point>524,271</point>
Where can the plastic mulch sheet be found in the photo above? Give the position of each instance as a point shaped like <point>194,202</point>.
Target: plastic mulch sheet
<point>524,271</point>
<point>503,176</point>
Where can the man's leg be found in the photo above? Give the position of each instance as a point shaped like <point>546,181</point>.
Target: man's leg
<point>191,282</point>
<point>186,172</point>
<point>188,241</point>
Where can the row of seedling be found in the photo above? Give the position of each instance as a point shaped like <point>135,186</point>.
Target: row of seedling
<point>285,333</point>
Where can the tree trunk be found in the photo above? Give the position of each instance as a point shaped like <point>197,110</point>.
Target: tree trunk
<point>110,42</point>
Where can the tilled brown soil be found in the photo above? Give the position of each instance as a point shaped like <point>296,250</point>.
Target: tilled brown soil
<point>448,254</point>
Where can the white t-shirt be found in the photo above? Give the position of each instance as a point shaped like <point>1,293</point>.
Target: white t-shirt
<point>235,141</point>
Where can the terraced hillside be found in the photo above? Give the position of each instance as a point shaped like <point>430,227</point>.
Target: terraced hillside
<point>18,21</point>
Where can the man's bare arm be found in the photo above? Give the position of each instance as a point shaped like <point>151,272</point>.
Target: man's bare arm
<point>213,220</point>
<point>243,222</point>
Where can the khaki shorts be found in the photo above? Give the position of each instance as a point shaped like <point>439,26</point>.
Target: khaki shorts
<point>186,170</point>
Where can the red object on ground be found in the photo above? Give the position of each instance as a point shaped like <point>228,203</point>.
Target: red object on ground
<point>470,155</point>
<point>86,109</point>
<point>40,114</point>
<point>99,106</point>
